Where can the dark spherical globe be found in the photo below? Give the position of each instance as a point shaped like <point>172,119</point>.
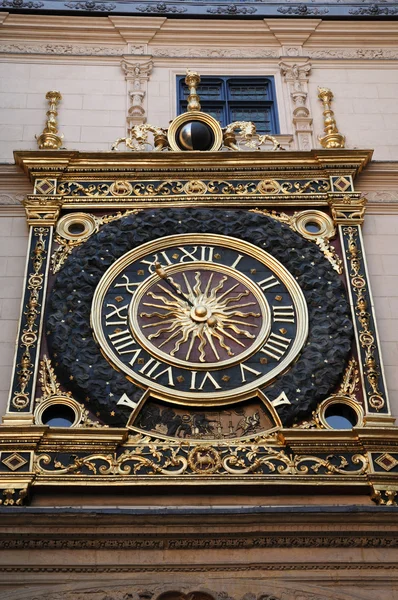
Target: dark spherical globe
<point>194,135</point>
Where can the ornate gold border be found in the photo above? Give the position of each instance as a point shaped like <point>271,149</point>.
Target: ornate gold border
<point>55,400</point>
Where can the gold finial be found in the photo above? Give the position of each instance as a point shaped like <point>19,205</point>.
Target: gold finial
<point>49,139</point>
<point>192,80</point>
<point>332,139</point>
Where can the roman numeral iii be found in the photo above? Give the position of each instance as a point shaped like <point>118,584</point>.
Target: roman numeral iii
<point>283,314</point>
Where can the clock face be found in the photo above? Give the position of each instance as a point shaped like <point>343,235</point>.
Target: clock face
<point>200,313</point>
<point>199,318</point>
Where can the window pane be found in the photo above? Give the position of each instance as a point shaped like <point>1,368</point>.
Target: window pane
<point>259,116</point>
<point>218,112</point>
<point>215,111</point>
<point>248,91</point>
<point>210,91</point>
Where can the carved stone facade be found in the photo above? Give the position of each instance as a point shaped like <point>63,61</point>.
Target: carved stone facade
<point>137,74</point>
<point>185,592</point>
<point>200,554</point>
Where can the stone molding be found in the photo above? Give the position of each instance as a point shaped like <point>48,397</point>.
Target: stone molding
<point>14,186</point>
<point>354,53</point>
<point>382,197</point>
<point>156,36</point>
<point>342,526</point>
<point>212,52</point>
<point>184,592</point>
<point>210,542</point>
<point>270,590</point>
<point>9,199</point>
<point>205,568</point>
<point>61,49</point>
<point>137,535</point>
<point>92,51</point>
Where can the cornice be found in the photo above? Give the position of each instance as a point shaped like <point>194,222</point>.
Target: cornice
<point>137,30</point>
<point>379,175</point>
<point>276,523</point>
<point>287,32</point>
<point>53,28</point>
<point>336,9</point>
<point>113,35</point>
<point>13,188</point>
<point>70,163</point>
<point>176,529</point>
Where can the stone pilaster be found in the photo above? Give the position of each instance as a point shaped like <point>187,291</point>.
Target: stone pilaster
<point>137,73</point>
<point>296,75</point>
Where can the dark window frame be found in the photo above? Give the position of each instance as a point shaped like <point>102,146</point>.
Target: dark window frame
<point>224,105</point>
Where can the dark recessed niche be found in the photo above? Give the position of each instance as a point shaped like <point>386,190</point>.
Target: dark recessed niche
<point>312,227</point>
<point>75,228</point>
<point>58,415</point>
<point>341,416</point>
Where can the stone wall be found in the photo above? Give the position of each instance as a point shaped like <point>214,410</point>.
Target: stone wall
<point>93,110</point>
<point>13,245</point>
<point>92,113</point>
<point>96,63</point>
<point>200,554</point>
<point>381,242</point>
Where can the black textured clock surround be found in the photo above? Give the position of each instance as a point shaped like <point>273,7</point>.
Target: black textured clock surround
<point>81,366</point>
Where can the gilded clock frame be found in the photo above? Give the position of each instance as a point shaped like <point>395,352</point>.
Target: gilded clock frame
<point>36,456</point>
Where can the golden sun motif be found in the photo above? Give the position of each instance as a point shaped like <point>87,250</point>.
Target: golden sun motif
<point>209,316</point>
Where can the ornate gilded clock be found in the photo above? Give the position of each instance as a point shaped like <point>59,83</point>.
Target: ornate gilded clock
<point>197,318</point>
<point>191,318</point>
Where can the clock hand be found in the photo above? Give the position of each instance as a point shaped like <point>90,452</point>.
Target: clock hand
<point>163,275</point>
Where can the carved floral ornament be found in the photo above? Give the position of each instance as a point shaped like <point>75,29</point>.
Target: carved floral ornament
<point>170,51</point>
<point>183,592</point>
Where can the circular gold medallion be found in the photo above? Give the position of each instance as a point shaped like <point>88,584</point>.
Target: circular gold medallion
<point>194,131</point>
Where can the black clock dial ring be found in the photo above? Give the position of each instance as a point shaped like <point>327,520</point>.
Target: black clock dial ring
<point>247,323</point>
<point>80,364</point>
